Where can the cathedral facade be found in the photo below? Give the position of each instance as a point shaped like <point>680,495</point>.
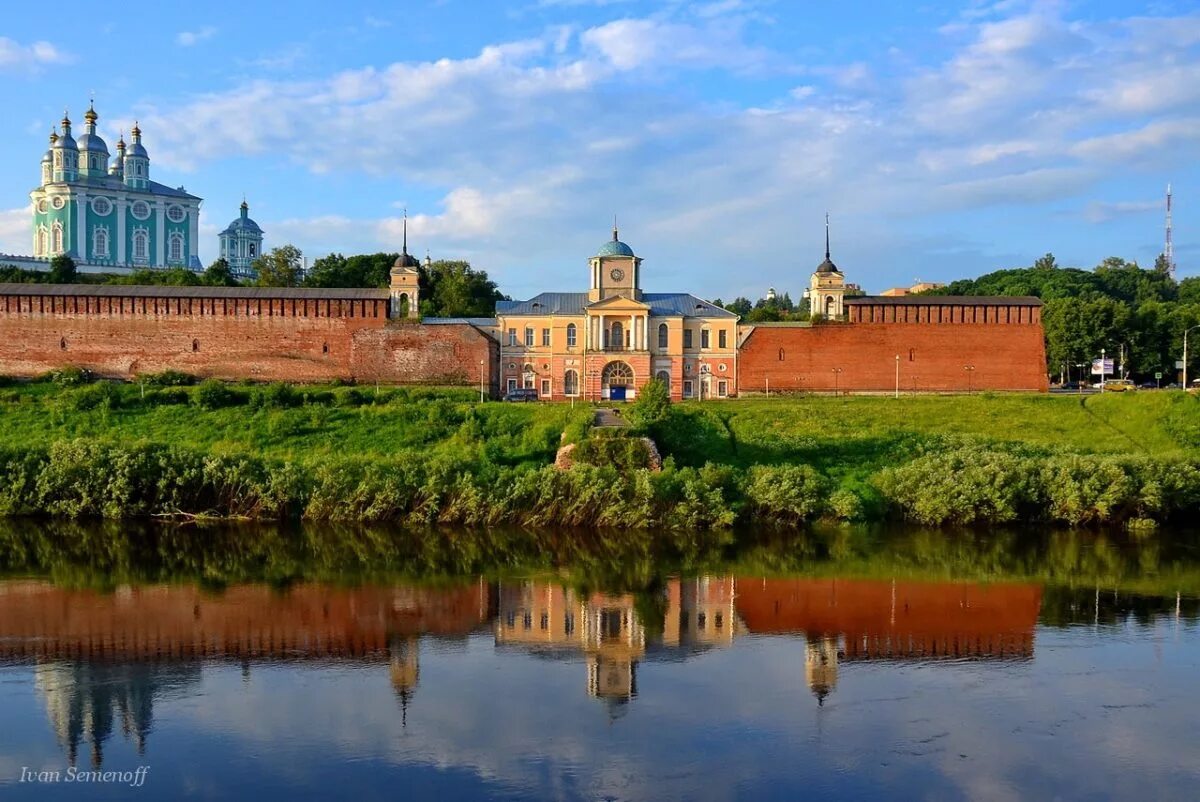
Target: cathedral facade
<point>110,214</point>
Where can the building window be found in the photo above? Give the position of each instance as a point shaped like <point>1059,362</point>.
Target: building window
<point>100,243</point>
<point>252,253</point>
<point>511,384</point>
<point>141,245</point>
<point>571,383</point>
<point>722,339</point>
<point>664,377</point>
<point>569,624</point>
<point>545,388</point>
<point>57,237</point>
<point>722,389</point>
<point>687,388</point>
<point>512,337</point>
<point>704,337</point>
<point>546,337</point>
<point>40,246</point>
<point>62,343</point>
<point>140,210</point>
<point>176,248</point>
<point>780,354</point>
<point>529,336</point>
<point>912,354</point>
<point>662,335</point>
<point>101,206</point>
<point>176,214</point>
<point>529,376</point>
<point>687,338</point>
<point>571,335</point>
<point>195,346</point>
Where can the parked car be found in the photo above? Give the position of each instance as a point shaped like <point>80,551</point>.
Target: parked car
<point>521,395</point>
<point>1148,386</point>
<point>1119,386</point>
<point>1072,385</point>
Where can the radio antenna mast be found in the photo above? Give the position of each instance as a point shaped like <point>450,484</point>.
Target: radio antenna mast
<point>1169,247</point>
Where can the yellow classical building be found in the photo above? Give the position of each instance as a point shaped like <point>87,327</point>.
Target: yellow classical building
<point>606,343</point>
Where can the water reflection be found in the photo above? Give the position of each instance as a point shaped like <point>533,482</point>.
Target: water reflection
<point>102,660</point>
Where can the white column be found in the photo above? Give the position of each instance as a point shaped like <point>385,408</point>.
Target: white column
<point>81,225</point>
<point>120,232</point>
<point>632,333</point>
<point>646,331</point>
<point>193,248</point>
<point>160,244</point>
<point>603,331</point>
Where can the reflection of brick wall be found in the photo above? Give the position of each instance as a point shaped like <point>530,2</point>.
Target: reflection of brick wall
<point>932,357</point>
<point>899,620</point>
<point>38,619</point>
<point>235,336</point>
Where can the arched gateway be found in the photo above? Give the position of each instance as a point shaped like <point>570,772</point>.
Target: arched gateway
<point>616,380</point>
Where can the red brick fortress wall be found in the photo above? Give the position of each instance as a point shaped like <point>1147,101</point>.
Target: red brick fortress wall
<point>269,335</point>
<point>935,341</point>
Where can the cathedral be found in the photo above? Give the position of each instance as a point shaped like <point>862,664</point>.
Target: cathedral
<point>106,214</point>
<point>241,244</point>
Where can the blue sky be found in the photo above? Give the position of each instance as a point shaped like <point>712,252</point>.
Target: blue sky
<point>945,139</point>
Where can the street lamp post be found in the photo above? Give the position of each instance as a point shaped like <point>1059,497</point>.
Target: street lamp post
<point>1102,366</point>
<point>482,364</point>
<point>970,369</point>
<point>837,372</point>
<point>1082,373</point>
<point>1185,336</point>
<point>897,375</point>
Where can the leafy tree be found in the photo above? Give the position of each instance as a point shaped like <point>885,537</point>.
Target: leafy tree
<point>455,289</point>
<point>218,274</point>
<point>279,268</point>
<point>1045,263</point>
<point>652,405</point>
<point>173,277</point>
<point>62,270</point>
<point>1161,265</point>
<point>361,270</point>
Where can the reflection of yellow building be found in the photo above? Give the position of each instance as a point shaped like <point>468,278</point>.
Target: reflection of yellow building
<point>405,670</point>
<point>700,612</point>
<point>604,628</point>
<point>821,666</point>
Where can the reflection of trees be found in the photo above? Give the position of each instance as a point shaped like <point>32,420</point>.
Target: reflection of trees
<point>85,701</point>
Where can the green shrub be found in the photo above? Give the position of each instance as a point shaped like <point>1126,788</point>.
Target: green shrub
<point>1089,489</point>
<point>622,453</point>
<point>963,485</point>
<point>845,505</point>
<point>786,494</point>
<point>276,395</point>
<point>67,377</point>
<point>168,378</point>
<point>95,396</point>
<point>652,405</point>
<point>213,394</point>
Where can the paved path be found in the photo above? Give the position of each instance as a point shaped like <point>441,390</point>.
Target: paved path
<point>609,417</point>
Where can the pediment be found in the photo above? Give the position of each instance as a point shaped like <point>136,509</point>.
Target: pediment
<point>618,303</point>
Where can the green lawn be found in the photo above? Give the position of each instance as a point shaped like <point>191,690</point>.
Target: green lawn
<point>868,432</point>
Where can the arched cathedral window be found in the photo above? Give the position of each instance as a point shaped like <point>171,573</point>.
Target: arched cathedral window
<point>140,245</point>
<point>100,242</point>
<point>57,237</point>
<point>176,253</point>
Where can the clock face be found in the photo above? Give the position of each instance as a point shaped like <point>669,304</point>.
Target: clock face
<point>617,274</point>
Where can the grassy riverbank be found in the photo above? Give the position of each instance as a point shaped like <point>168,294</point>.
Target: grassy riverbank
<point>424,455</point>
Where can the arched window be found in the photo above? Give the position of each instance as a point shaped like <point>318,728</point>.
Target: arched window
<point>664,377</point>
<point>828,306</point>
<point>572,335</point>
<point>252,249</point>
<point>780,354</point>
<point>618,374</point>
<point>176,248</point>
<point>195,346</point>
<point>616,337</point>
<point>912,354</point>
<point>403,305</point>
<point>662,335</point>
<point>141,245</point>
<point>39,247</point>
<point>571,383</point>
<point>57,237</point>
<point>100,243</point>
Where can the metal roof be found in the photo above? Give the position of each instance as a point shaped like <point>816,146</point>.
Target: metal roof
<point>483,322</point>
<point>662,304</point>
<point>944,300</point>
<point>156,291</point>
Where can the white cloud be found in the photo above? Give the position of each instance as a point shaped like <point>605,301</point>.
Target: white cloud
<point>190,38</point>
<point>533,144</point>
<point>15,55</point>
<point>16,227</point>
<point>1099,212</point>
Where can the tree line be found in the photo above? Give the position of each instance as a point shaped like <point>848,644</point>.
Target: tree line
<point>1118,306</point>
<point>448,288</point>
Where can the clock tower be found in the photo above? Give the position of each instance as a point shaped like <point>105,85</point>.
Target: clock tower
<point>615,271</point>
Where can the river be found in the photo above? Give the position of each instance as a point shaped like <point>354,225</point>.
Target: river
<point>855,665</point>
